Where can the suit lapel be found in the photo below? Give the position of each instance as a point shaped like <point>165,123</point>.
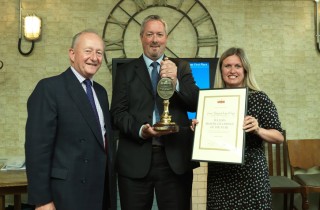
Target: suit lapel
<point>141,70</point>
<point>79,97</point>
<point>103,100</point>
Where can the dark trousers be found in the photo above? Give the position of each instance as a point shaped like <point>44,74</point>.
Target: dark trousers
<point>173,192</point>
<point>106,195</point>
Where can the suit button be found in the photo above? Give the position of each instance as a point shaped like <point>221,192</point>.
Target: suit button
<point>83,181</point>
<point>85,160</point>
<point>82,140</point>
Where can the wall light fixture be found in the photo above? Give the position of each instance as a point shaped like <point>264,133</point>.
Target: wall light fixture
<point>317,24</point>
<point>32,30</point>
<point>32,27</point>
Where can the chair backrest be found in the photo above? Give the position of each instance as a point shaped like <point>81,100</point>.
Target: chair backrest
<point>277,155</point>
<point>304,153</point>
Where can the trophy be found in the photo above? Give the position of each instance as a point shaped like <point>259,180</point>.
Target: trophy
<point>165,89</point>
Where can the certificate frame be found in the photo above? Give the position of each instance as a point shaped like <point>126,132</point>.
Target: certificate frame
<point>219,135</point>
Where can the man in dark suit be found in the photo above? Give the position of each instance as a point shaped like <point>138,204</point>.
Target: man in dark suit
<point>68,140</point>
<point>150,161</point>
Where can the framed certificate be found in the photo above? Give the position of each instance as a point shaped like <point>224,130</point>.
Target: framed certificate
<point>219,136</point>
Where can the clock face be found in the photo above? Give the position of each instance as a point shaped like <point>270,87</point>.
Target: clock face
<point>191,30</point>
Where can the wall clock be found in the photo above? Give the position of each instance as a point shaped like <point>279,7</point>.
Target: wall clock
<point>192,32</point>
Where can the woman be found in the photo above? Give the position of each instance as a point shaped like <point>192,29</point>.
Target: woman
<point>232,186</point>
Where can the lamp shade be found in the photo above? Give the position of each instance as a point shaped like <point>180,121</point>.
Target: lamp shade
<point>32,27</point>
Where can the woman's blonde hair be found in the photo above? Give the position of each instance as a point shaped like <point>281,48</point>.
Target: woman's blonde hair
<point>249,79</point>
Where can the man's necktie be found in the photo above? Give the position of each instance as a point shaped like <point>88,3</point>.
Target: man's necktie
<point>88,84</point>
<point>154,79</point>
<point>154,76</point>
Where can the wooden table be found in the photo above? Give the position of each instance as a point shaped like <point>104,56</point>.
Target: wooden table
<point>12,183</point>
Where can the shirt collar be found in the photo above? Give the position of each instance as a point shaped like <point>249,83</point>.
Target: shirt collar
<point>148,61</point>
<point>79,76</point>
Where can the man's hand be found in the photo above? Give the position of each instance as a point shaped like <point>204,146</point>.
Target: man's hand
<point>148,132</point>
<point>168,69</point>
<point>48,206</point>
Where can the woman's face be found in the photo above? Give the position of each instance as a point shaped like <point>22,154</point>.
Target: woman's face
<point>232,72</point>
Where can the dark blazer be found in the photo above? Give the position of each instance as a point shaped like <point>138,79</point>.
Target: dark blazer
<point>65,157</point>
<point>132,106</point>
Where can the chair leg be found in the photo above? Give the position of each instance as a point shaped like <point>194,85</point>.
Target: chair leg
<point>285,201</point>
<point>304,196</point>
<point>319,202</point>
<point>291,206</point>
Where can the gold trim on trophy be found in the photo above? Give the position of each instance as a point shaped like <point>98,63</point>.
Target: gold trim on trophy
<point>165,89</point>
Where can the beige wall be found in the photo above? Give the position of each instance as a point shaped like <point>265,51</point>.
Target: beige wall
<point>277,35</point>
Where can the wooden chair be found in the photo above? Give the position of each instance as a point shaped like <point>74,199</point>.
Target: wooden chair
<point>280,182</point>
<point>304,154</point>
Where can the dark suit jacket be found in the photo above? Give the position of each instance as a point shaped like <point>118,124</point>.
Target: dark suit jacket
<point>132,106</point>
<point>65,157</point>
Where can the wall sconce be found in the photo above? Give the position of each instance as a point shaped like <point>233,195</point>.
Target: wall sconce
<point>32,27</point>
<point>317,24</point>
<point>32,30</point>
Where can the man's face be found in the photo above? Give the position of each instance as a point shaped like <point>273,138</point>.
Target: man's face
<point>154,39</point>
<point>87,55</point>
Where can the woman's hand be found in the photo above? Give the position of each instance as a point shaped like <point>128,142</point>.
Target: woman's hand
<point>194,122</point>
<point>251,124</point>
